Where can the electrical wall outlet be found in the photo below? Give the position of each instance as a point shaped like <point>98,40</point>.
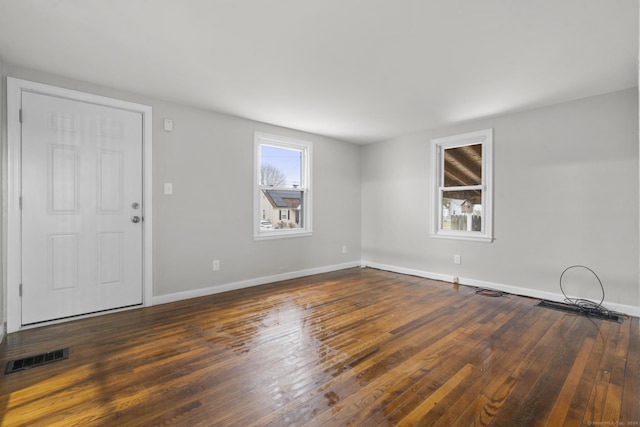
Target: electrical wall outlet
<point>456,259</point>
<point>344,249</point>
<point>216,264</point>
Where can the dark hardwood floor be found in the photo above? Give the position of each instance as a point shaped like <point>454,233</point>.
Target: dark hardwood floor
<point>354,347</point>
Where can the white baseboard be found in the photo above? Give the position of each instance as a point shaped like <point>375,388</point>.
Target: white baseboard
<point>550,296</point>
<point>515,290</point>
<point>210,290</point>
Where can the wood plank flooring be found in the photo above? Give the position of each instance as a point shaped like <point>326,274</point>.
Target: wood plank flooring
<point>356,347</point>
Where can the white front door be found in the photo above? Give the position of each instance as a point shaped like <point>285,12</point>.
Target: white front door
<point>81,208</point>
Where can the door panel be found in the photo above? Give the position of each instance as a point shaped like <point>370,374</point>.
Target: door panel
<point>110,258</point>
<point>63,179</point>
<point>81,176</point>
<point>110,186</point>
<point>63,261</point>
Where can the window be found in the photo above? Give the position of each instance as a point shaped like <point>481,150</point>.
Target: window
<point>282,187</point>
<point>462,186</point>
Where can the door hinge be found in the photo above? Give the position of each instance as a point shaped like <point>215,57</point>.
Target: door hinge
<point>20,290</point>
<point>20,115</point>
<point>20,203</point>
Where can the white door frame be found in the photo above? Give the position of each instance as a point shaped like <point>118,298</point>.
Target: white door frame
<point>15,87</point>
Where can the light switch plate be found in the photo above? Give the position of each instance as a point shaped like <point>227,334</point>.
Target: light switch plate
<point>168,188</point>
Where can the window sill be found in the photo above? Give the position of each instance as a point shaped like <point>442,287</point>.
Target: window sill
<point>271,235</point>
<point>463,236</point>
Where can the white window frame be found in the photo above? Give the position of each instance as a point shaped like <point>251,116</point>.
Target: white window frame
<point>306,148</point>
<point>438,145</point>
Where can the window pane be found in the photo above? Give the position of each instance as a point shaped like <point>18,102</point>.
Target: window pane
<point>463,166</point>
<point>280,167</point>
<point>461,213</point>
<point>282,209</point>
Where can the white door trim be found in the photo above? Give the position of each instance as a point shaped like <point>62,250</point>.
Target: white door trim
<point>14,225</point>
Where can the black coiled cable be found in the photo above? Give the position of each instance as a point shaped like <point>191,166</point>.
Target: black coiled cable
<point>585,305</point>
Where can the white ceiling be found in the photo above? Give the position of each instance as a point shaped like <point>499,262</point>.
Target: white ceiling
<point>358,70</point>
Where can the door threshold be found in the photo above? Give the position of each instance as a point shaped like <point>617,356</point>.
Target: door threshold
<point>78,317</point>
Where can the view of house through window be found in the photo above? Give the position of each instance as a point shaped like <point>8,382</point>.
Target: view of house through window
<point>462,207</point>
<point>463,186</point>
<point>283,186</point>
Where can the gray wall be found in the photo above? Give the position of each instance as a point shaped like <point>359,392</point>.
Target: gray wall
<point>209,159</point>
<point>565,192</point>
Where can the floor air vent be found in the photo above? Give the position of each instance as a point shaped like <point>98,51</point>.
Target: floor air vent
<point>37,360</point>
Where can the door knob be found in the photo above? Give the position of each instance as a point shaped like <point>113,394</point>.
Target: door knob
<point>135,219</point>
